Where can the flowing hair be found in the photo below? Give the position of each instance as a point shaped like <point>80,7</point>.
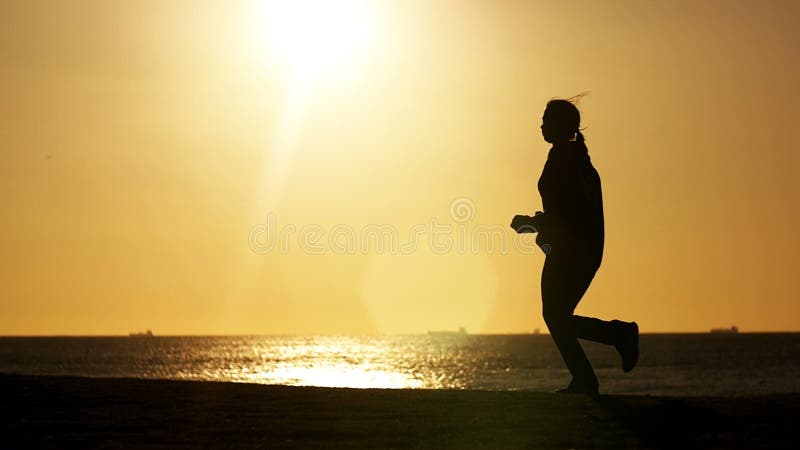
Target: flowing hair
<point>567,118</point>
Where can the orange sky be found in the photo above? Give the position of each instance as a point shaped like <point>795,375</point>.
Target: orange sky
<point>142,142</point>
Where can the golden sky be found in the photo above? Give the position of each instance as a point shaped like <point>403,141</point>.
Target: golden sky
<point>143,144</point>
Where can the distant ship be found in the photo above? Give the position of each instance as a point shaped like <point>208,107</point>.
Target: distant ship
<point>461,332</point>
<point>732,330</point>
<point>146,334</point>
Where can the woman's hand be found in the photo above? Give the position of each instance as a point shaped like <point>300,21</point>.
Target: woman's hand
<point>527,224</point>
<point>523,224</point>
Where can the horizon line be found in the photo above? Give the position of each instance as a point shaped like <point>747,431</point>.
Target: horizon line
<point>129,335</point>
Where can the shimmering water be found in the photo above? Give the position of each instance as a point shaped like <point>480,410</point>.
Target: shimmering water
<point>678,364</point>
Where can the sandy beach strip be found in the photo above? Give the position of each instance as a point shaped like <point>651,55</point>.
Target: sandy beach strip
<point>73,412</point>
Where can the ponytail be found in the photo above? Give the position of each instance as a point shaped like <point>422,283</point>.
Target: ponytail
<point>563,121</point>
<point>580,142</point>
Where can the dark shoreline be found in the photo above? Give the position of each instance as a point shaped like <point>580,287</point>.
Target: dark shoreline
<point>123,413</point>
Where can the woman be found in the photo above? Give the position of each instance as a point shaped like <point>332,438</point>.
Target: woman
<point>571,233</point>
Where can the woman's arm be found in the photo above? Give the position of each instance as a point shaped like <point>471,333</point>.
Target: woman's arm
<point>527,224</point>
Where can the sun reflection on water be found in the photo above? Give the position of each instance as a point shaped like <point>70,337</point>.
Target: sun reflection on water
<point>391,362</point>
<point>333,376</point>
<point>345,362</point>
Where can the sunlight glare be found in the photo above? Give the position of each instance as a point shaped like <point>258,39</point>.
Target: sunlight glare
<point>338,376</point>
<point>313,36</point>
<point>314,42</point>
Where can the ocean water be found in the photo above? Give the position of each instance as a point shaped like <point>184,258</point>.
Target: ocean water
<point>670,364</point>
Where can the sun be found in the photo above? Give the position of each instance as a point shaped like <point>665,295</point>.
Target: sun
<point>312,47</point>
<point>316,37</point>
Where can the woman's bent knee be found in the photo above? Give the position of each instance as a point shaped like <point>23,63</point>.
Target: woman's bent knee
<point>555,316</point>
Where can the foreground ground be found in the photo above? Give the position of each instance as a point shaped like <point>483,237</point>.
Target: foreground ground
<point>68,412</point>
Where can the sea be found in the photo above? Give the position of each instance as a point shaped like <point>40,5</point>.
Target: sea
<point>730,365</point>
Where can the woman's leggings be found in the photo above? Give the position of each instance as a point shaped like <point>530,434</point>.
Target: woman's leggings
<point>565,278</point>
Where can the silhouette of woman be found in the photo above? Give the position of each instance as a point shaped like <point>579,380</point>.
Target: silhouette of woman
<point>571,234</point>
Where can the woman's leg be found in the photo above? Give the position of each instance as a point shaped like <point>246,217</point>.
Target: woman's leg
<point>563,284</point>
<point>624,336</point>
<point>596,330</point>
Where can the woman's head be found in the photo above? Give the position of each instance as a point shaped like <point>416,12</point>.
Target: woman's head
<point>561,122</point>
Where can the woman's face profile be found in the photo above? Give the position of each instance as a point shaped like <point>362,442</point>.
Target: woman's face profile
<point>547,128</point>
<point>554,127</point>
